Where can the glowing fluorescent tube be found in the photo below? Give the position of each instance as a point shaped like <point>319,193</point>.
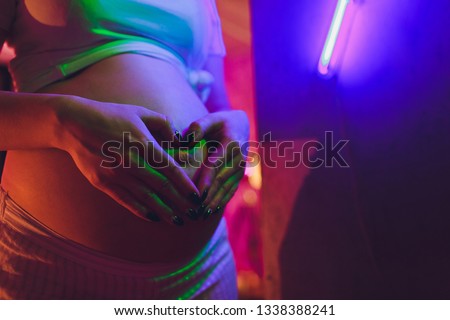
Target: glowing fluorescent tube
<point>332,37</point>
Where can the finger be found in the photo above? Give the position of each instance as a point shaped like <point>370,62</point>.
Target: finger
<point>203,128</point>
<point>210,167</point>
<point>160,185</point>
<point>204,179</point>
<point>160,126</point>
<point>223,174</point>
<point>143,202</point>
<point>224,153</point>
<point>122,196</point>
<point>164,190</point>
<point>206,175</point>
<point>156,208</point>
<point>159,208</point>
<point>213,125</point>
<point>190,157</point>
<point>223,203</point>
<point>161,165</point>
<point>224,194</point>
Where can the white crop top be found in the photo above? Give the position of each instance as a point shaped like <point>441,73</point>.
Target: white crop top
<point>56,38</point>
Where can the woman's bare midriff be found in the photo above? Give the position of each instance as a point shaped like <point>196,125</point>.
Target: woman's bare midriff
<point>47,184</point>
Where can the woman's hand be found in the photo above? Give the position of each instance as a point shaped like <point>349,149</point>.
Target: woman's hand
<point>117,148</point>
<point>225,132</point>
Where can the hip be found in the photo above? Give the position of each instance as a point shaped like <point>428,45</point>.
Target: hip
<point>37,263</point>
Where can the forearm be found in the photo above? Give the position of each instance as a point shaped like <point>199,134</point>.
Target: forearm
<point>29,121</point>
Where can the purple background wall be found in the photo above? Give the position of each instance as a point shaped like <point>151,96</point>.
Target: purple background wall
<point>381,228</point>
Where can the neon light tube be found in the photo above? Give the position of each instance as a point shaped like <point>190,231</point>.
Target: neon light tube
<point>332,37</point>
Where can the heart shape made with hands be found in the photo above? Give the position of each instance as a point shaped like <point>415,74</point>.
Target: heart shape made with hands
<point>190,158</point>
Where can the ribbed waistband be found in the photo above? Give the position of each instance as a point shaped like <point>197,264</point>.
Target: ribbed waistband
<point>15,217</point>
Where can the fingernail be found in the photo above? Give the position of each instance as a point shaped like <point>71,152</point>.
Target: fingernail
<point>195,197</point>
<point>218,210</point>
<point>207,214</point>
<point>178,135</point>
<point>204,194</point>
<point>153,217</point>
<point>177,221</point>
<point>192,214</point>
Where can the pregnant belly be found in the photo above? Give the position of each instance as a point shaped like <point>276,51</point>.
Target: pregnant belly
<point>47,184</point>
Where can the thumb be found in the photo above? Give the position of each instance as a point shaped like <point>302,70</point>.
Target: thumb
<point>160,126</point>
<point>204,128</point>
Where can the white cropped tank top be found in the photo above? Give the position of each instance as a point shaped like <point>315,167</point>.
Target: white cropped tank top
<point>53,39</point>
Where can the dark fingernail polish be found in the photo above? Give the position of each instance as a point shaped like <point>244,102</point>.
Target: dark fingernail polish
<point>207,214</point>
<point>177,221</point>
<point>218,210</point>
<point>192,214</point>
<point>204,194</point>
<point>178,135</point>
<point>196,198</point>
<point>153,217</point>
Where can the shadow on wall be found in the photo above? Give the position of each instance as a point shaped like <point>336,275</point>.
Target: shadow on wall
<point>380,228</point>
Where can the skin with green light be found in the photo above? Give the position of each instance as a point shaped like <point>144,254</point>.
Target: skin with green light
<point>54,139</point>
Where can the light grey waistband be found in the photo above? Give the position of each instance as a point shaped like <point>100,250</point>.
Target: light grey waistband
<point>15,217</point>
